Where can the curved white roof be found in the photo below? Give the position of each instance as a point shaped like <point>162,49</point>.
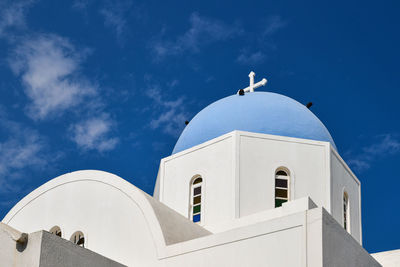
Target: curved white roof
<point>118,220</point>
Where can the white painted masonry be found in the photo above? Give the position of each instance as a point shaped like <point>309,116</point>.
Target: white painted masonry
<point>239,168</point>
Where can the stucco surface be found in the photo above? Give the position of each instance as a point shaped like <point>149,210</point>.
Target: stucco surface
<point>340,248</point>
<point>259,158</point>
<point>310,238</point>
<point>389,258</point>
<point>175,227</point>
<point>43,249</point>
<point>11,254</point>
<point>215,164</point>
<point>343,179</point>
<point>117,219</point>
<point>238,170</point>
<point>56,251</point>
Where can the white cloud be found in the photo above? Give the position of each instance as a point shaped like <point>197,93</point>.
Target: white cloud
<point>50,69</point>
<point>114,14</point>
<point>273,24</point>
<point>20,152</point>
<point>12,14</point>
<point>388,144</point>
<point>49,66</point>
<point>170,115</point>
<point>94,134</point>
<point>385,145</point>
<point>247,58</point>
<point>23,148</point>
<point>173,83</point>
<point>202,31</point>
<point>251,56</point>
<point>81,4</point>
<point>359,164</point>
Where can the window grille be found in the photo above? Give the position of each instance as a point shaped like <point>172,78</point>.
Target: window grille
<point>281,187</point>
<point>196,198</point>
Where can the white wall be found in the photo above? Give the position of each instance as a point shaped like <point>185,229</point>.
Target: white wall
<point>239,177</point>
<point>311,238</point>
<point>239,174</point>
<point>266,250</point>
<point>261,155</point>
<point>214,161</point>
<point>390,258</point>
<point>343,179</point>
<point>107,209</point>
<point>277,242</point>
<point>340,248</point>
<point>18,255</point>
<point>119,222</point>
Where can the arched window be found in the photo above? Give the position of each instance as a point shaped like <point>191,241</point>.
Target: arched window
<point>282,180</point>
<point>56,231</point>
<point>78,239</point>
<point>195,199</point>
<point>346,212</point>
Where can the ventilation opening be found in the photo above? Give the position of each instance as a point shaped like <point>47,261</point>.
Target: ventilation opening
<point>78,239</point>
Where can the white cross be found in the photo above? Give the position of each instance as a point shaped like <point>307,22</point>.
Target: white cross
<point>253,86</point>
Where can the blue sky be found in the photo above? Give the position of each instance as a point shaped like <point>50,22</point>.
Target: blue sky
<point>109,84</point>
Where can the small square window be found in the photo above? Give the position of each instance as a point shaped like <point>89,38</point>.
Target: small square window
<point>196,209</point>
<point>196,200</point>
<point>281,193</point>
<point>196,218</point>
<point>197,191</point>
<point>281,183</point>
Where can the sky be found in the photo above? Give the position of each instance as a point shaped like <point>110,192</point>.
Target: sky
<point>109,85</point>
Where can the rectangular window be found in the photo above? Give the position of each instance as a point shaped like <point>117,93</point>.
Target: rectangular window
<point>346,212</point>
<point>281,188</point>
<point>195,203</point>
<point>281,183</point>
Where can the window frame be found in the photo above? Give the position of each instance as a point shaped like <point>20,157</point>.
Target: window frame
<point>73,239</point>
<point>192,205</point>
<point>346,211</point>
<point>56,229</point>
<point>286,177</point>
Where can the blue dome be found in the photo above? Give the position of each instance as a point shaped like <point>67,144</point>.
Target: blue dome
<point>259,112</point>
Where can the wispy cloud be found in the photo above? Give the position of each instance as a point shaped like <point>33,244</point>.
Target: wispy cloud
<point>115,16</point>
<point>169,115</point>
<point>202,31</point>
<point>247,58</point>
<point>273,24</point>
<point>81,4</point>
<point>384,145</point>
<point>12,15</point>
<point>173,83</point>
<point>252,55</point>
<point>22,148</point>
<point>21,151</point>
<point>49,67</point>
<point>94,134</point>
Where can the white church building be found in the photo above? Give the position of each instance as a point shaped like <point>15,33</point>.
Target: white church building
<point>255,179</point>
